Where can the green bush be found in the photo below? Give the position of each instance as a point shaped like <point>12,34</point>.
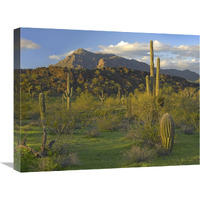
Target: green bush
<point>59,157</point>
<point>139,154</point>
<point>71,160</point>
<point>25,160</point>
<point>110,101</point>
<point>93,132</point>
<point>110,121</point>
<point>60,121</point>
<point>85,101</point>
<point>145,108</point>
<point>47,164</point>
<point>146,113</point>
<point>184,110</point>
<point>144,133</point>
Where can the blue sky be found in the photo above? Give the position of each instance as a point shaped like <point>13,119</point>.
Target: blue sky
<point>42,47</point>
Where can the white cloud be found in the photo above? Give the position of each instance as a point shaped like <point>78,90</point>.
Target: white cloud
<point>179,57</point>
<point>181,64</point>
<point>125,49</point>
<point>59,57</point>
<point>28,44</point>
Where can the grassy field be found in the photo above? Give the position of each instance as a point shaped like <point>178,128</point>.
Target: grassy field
<point>107,150</point>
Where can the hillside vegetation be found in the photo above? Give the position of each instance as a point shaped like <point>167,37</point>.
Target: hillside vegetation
<point>53,80</point>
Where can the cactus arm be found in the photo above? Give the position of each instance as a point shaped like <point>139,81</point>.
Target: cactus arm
<point>71,91</point>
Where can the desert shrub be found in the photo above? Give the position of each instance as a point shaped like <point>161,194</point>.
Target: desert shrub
<point>146,113</point>
<point>62,153</point>
<point>86,119</point>
<point>25,160</point>
<point>28,108</point>
<point>185,110</point>
<point>160,150</point>
<point>59,156</point>
<point>110,101</point>
<point>85,101</point>
<point>139,154</point>
<point>60,121</point>
<point>187,129</point>
<point>93,132</point>
<point>71,160</point>
<point>144,133</point>
<point>110,121</point>
<point>126,124</point>
<point>47,164</point>
<point>145,108</point>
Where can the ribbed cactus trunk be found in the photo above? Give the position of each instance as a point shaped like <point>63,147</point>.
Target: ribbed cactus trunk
<point>119,93</point>
<point>68,92</point>
<point>167,132</point>
<point>158,77</point>
<point>147,85</point>
<point>42,106</point>
<point>42,115</point>
<point>151,68</point>
<point>102,97</point>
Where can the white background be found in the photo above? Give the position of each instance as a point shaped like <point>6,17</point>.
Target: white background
<point>155,16</point>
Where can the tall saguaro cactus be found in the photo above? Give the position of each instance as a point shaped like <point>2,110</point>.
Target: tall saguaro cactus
<point>68,93</point>
<point>102,97</point>
<point>167,131</point>
<point>151,67</point>
<point>119,92</point>
<point>147,85</point>
<point>42,115</point>
<point>158,77</point>
<point>42,106</point>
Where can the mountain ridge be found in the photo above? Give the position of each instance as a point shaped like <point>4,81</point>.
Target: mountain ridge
<point>82,58</point>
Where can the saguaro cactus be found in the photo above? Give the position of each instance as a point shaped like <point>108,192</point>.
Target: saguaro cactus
<point>102,97</point>
<point>68,93</point>
<point>42,114</point>
<point>119,92</point>
<point>42,106</point>
<point>151,67</point>
<point>147,85</point>
<point>167,131</point>
<point>158,77</point>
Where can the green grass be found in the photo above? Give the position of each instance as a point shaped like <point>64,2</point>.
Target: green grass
<point>107,150</point>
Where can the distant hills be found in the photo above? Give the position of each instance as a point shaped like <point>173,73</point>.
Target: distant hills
<point>82,58</point>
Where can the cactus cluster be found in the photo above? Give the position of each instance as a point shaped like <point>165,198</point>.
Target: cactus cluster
<point>167,127</point>
<point>167,131</point>
<point>151,88</point>
<point>68,93</point>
